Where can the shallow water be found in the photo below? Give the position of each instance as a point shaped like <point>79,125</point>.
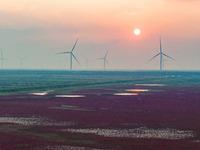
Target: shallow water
<point>141,132</point>
<point>40,94</point>
<point>150,84</point>
<point>137,90</point>
<point>69,96</point>
<point>126,94</point>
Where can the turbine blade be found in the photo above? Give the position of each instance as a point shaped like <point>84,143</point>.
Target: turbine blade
<point>154,57</point>
<point>107,61</point>
<point>86,59</point>
<point>64,53</point>
<point>99,58</point>
<point>74,45</point>
<point>106,54</point>
<point>75,58</point>
<point>160,45</point>
<point>168,56</point>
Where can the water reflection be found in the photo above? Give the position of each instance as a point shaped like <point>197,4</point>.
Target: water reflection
<point>70,96</point>
<point>150,84</point>
<point>124,94</point>
<point>40,94</point>
<point>137,90</point>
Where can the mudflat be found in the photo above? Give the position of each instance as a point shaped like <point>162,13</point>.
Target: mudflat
<point>153,115</point>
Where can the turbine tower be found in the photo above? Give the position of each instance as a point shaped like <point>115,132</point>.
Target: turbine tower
<point>21,60</point>
<point>71,55</point>
<point>2,60</point>
<point>164,63</point>
<point>161,57</point>
<point>105,60</point>
<point>86,62</point>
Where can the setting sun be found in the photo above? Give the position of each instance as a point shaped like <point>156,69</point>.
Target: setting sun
<point>137,31</point>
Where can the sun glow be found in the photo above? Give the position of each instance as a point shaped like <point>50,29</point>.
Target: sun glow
<point>137,31</point>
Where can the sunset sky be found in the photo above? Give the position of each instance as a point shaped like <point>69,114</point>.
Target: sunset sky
<point>38,29</point>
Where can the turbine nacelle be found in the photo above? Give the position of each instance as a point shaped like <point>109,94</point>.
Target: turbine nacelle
<point>71,55</point>
<point>161,54</point>
<point>21,60</point>
<point>2,60</point>
<point>105,60</point>
<point>86,61</point>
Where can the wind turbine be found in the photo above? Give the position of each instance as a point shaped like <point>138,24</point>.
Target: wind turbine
<point>86,62</point>
<point>2,60</point>
<point>71,55</point>
<point>161,57</point>
<point>105,60</point>
<point>164,63</point>
<point>21,60</point>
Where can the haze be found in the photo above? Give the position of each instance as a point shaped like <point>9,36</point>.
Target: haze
<point>39,29</point>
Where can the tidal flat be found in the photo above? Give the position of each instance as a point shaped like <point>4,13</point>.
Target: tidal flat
<point>87,110</point>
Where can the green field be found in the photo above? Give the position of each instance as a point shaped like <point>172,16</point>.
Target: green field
<point>62,82</point>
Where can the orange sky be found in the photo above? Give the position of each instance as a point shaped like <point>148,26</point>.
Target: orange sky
<point>99,21</point>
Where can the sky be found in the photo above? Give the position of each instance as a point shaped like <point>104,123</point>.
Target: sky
<point>39,29</point>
